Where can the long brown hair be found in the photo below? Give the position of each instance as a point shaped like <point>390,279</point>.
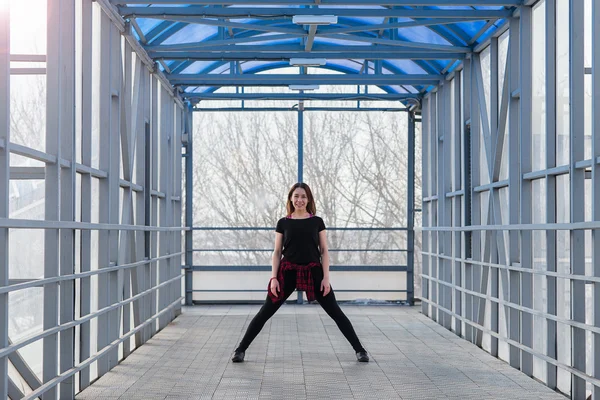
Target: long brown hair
<point>310,206</point>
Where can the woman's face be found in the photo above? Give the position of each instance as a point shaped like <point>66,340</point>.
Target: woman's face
<point>299,199</point>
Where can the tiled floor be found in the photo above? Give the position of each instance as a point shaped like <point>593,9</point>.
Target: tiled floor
<point>301,354</point>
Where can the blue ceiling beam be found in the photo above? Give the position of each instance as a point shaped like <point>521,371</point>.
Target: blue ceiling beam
<point>288,79</point>
<point>269,25</point>
<point>221,43</point>
<point>393,25</point>
<point>330,2</point>
<point>277,109</point>
<point>302,96</point>
<point>269,12</point>
<point>284,55</point>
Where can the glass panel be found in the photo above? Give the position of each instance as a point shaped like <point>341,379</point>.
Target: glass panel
<point>540,297</point>
<point>453,137</point>
<point>28,26</point>
<point>563,286</point>
<point>503,347</point>
<point>486,74</point>
<point>538,106</point>
<point>587,120</point>
<point>28,110</point>
<point>589,286</point>
<point>486,338</point>
<point>25,319</point>
<point>562,82</point>
<point>588,33</point>
<point>502,60</point>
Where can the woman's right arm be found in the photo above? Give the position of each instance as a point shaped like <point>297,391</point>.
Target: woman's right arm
<point>276,254</point>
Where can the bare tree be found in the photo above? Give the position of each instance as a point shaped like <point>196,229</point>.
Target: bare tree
<point>355,162</point>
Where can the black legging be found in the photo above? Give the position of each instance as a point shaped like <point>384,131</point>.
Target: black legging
<point>328,303</point>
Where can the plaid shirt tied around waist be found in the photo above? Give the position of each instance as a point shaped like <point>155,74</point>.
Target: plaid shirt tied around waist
<point>304,279</point>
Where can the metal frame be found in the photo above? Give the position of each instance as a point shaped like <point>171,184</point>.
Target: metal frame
<point>121,277</point>
<point>494,273</point>
<point>477,252</point>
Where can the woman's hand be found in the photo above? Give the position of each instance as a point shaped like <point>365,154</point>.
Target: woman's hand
<point>275,287</point>
<point>325,286</point>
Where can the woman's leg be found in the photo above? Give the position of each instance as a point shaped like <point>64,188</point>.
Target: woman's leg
<point>332,308</point>
<point>267,310</point>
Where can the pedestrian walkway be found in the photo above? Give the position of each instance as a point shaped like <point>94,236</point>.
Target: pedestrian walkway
<point>301,354</point>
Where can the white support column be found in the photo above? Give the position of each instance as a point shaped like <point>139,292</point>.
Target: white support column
<point>467,204</point>
<point>426,205</point>
<point>104,164</point>
<point>177,220</point>
<point>86,184</point>
<point>577,189</point>
<point>142,273</point>
<point>551,187</point>
<point>526,187</point>
<point>53,191</point>
<point>137,159</point>
<point>153,163</point>
<point>595,115</point>
<point>494,206</point>
<point>457,206</point>
<point>514,188</point>
<point>163,186</point>
<point>67,190</point>
<point>476,165</point>
<point>445,203</point>
<point>4,183</point>
<point>435,261</point>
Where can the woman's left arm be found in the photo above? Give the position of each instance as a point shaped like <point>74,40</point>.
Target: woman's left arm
<point>325,286</point>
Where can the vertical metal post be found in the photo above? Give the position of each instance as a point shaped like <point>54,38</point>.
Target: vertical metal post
<point>163,185</point>
<point>526,188</point>
<point>426,183</point>
<point>595,115</point>
<point>67,191</point>
<point>177,202</point>
<point>138,135</point>
<point>551,375</point>
<point>441,200</point>
<point>467,186</point>
<point>148,268</point>
<point>410,212</point>
<point>85,292</point>
<point>476,203</point>
<point>52,191</point>
<point>300,299</point>
<point>576,153</point>
<point>114,188</point>
<point>104,164</point>
<point>189,210</point>
<point>514,189</point>
<point>153,167</point>
<point>4,183</point>
<point>433,143</point>
<point>494,206</point>
<point>444,203</point>
<point>300,142</point>
<point>125,139</point>
<point>457,211</point>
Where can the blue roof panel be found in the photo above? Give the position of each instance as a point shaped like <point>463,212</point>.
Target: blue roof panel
<point>464,34</point>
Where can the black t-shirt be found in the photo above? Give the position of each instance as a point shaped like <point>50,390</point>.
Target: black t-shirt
<point>301,239</point>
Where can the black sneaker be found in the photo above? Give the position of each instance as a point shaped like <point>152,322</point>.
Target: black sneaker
<point>238,356</point>
<point>362,356</point>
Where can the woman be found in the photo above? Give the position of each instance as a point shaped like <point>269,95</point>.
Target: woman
<point>300,238</point>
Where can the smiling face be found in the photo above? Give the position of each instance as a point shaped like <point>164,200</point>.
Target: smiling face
<point>299,199</point>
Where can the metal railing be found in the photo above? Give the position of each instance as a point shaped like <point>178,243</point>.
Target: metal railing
<point>409,269</point>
